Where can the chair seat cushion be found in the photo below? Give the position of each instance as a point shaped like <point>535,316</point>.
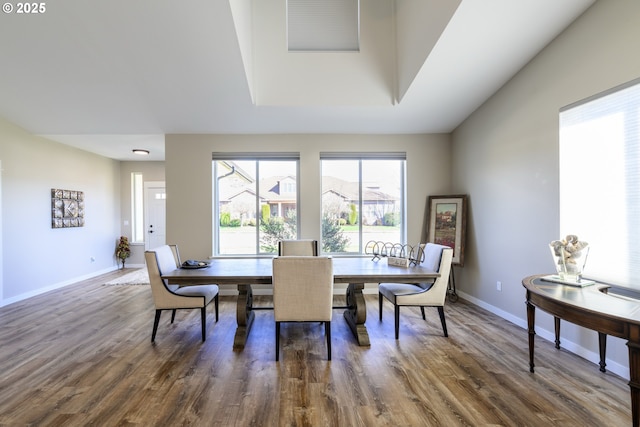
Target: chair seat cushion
<point>392,290</point>
<point>207,291</point>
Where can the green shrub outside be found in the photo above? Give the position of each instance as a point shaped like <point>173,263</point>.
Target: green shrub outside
<point>265,212</point>
<point>391,219</point>
<point>353,214</point>
<point>225,219</point>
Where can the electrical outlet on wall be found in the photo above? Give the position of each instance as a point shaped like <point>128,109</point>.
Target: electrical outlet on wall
<point>499,286</point>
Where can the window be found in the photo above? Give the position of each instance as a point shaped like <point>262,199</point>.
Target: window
<point>600,181</point>
<point>137,208</point>
<point>362,200</point>
<point>255,200</point>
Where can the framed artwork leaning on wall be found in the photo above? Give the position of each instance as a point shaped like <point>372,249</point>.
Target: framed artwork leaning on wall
<point>447,223</point>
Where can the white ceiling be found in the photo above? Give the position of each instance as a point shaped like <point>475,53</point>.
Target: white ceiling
<point>115,75</point>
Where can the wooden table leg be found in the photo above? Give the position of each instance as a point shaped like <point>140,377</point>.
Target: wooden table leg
<point>531,323</point>
<point>556,324</point>
<point>602,341</point>
<point>634,382</point>
<point>244,316</point>
<point>356,313</point>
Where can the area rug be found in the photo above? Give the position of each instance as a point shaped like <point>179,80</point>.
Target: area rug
<point>136,277</point>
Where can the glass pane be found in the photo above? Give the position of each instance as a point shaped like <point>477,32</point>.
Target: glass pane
<point>362,200</point>
<point>278,194</point>
<point>236,207</point>
<point>257,205</point>
<point>341,206</point>
<point>600,182</point>
<point>382,187</point>
<point>137,207</point>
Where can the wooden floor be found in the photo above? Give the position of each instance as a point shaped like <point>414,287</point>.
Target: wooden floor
<point>82,356</point>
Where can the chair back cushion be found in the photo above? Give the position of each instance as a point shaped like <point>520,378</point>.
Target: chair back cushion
<point>163,260</point>
<point>432,256</point>
<point>166,259</point>
<point>302,288</point>
<point>302,247</point>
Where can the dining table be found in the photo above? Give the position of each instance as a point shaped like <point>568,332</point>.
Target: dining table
<point>247,271</point>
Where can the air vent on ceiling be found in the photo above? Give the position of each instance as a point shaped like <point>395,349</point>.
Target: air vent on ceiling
<point>323,25</point>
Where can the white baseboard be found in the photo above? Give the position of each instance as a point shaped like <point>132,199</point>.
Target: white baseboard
<point>54,286</point>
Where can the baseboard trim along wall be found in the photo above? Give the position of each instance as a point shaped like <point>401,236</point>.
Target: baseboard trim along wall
<point>614,367</point>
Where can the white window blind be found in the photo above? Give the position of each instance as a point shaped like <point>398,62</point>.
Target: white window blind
<point>323,25</point>
<point>600,182</point>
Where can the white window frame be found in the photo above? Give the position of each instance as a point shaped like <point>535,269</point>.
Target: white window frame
<point>363,157</point>
<point>258,157</point>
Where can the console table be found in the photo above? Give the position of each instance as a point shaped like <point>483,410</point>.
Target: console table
<point>591,307</point>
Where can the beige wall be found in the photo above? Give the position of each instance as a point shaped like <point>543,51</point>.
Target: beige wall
<point>35,256</point>
<point>189,177</point>
<point>505,156</point>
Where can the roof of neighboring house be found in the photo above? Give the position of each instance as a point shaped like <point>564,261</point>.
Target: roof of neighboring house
<point>350,190</point>
<point>270,190</point>
<point>233,168</point>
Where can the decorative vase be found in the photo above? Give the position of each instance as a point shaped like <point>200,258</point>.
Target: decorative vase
<point>570,260</point>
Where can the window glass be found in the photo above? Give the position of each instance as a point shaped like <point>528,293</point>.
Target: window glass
<point>600,182</point>
<point>137,208</point>
<point>255,205</point>
<point>362,201</point>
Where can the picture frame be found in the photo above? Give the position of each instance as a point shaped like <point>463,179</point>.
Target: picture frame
<point>67,208</point>
<point>447,223</point>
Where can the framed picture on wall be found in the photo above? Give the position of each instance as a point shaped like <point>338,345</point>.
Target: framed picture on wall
<point>447,223</point>
<point>67,208</point>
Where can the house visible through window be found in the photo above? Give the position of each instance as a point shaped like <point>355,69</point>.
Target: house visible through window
<point>362,200</point>
<point>256,202</point>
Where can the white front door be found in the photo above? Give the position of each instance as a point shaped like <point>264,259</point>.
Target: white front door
<point>155,215</point>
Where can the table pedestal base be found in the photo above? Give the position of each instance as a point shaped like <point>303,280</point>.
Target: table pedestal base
<point>356,313</point>
<point>244,316</point>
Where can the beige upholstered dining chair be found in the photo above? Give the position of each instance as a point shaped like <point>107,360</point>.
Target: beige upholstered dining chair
<point>301,247</point>
<point>303,292</point>
<point>172,297</point>
<point>433,294</point>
